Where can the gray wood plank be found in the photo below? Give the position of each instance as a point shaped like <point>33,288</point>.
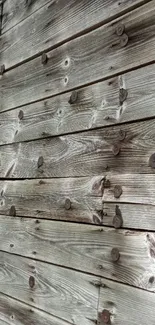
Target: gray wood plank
<point>15,312</point>
<point>63,293</point>
<point>97,105</point>
<point>135,189</point>
<point>53,24</point>
<point>70,65</point>
<point>47,199</point>
<point>126,305</point>
<point>14,11</point>
<point>83,247</point>
<point>135,216</point>
<point>116,149</point>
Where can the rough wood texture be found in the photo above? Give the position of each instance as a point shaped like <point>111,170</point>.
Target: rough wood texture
<point>138,216</point>
<point>54,23</point>
<point>135,189</point>
<point>14,11</point>
<point>97,105</point>
<point>47,199</point>
<point>83,154</point>
<point>85,248</point>
<point>69,65</point>
<point>63,293</point>
<point>14,312</point>
<point>127,305</point>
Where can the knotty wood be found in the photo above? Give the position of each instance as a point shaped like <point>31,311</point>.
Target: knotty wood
<point>97,105</point>
<point>15,312</point>
<point>127,305</point>
<point>46,199</point>
<point>62,293</point>
<point>83,154</point>
<point>69,65</point>
<point>54,23</point>
<point>14,11</point>
<point>138,216</point>
<point>86,248</point>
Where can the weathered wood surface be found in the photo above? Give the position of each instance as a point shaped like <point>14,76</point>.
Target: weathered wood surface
<point>47,199</point>
<point>97,105</point>
<point>69,65</point>
<point>85,248</point>
<point>127,305</point>
<point>14,11</point>
<point>83,154</point>
<point>15,312</point>
<point>55,23</point>
<point>63,293</point>
<point>135,189</point>
<point>135,216</point>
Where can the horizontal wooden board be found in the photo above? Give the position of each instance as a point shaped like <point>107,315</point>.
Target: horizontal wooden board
<point>135,216</point>
<point>97,105</point>
<point>70,65</point>
<point>83,247</point>
<point>83,154</point>
<point>15,312</point>
<point>135,189</point>
<point>53,24</point>
<point>14,11</point>
<point>47,199</point>
<point>126,305</point>
<point>62,293</point>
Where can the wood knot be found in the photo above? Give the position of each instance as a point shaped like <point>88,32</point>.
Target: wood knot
<point>12,211</point>
<point>31,282</point>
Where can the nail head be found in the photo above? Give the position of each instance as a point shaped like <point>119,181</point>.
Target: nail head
<point>115,255</point>
<point>67,204</point>
<point>31,282</point>
<point>117,191</point>
<point>105,316</point>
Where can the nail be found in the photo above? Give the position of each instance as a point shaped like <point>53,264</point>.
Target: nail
<point>31,282</point>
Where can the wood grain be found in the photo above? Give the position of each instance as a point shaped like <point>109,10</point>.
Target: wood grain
<point>135,216</point>
<point>126,305</point>
<point>97,105</point>
<point>70,65</point>
<point>15,312</point>
<point>46,199</point>
<point>14,11</point>
<point>53,24</point>
<point>84,154</point>
<point>62,293</point>
<point>86,248</point>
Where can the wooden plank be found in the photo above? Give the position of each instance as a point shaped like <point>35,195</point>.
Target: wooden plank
<point>126,305</point>
<point>15,312</point>
<point>62,293</point>
<point>135,216</point>
<point>47,199</point>
<point>69,65</point>
<point>97,105</point>
<point>83,154</point>
<point>14,11</point>
<point>135,189</point>
<point>55,23</point>
<point>83,247</point>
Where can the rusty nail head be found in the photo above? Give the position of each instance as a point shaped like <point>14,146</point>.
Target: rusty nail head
<point>123,94</point>
<point>105,316</point>
<point>44,58</point>
<point>122,135</point>
<point>124,40</point>
<point>117,191</point>
<point>115,254</point>
<point>31,282</point>
<point>152,161</point>
<point>67,204</point>
<point>2,69</point>
<point>117,221</point>
<point>120,29</point>
<point>73,97</point>
<point>116,149</point>
<point>40,161</point>
<point>20,115</point>
<point>12,211</point>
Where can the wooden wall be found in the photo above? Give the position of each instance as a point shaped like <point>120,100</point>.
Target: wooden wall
<point>77,162</point>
